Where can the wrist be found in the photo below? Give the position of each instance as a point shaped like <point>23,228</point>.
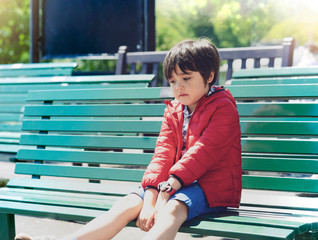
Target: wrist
<point>167,188</point>
<point>174,183</point>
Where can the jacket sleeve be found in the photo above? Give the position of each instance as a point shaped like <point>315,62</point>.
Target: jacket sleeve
<point>164,156</point>
<point>207,153</point>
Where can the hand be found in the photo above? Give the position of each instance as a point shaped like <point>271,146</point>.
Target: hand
<point>145,220</point>
<point>162,200</point>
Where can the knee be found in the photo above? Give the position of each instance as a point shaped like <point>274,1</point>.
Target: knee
<point>177,209</point>
<point>130,201</point>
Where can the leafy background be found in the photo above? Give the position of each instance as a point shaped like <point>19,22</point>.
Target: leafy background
<point>228,23</point>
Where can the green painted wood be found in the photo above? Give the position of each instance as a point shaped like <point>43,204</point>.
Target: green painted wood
<point>65,199</point>
<point>273,72</point>
<point>101,94</point>
<point>48,81</point>
<point>279,109</point>
<point>130,126</point>
<point>278,127</point>
<point>80,156</point>
<point>115,188</point>
<point>291,146</point>
<point>89,141</point>
<point>118,174</point>
<point>290,91</point>
<point>275,80</point>
<point>36,69</point>
<point>258,219</point>
<point>205,227</point>
<point>58,86</point>
<point>7,226</point>
<point>240,231</point>
<point>9,98</point>
<point>280,164</point>
<point>109,110</point>
<point>281,183</point>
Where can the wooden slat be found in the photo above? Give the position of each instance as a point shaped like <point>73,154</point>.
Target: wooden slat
<point>279,109</point>
<point>275,80</point>
<point>113,94</point>
<point>285,71</point>
<point>47,81</point>
<point>129,126</point>
<point>281,183</point>
<point>290,91</point>
<point>109,188</point>
<point>117,174</point>
<point>280,164</point>
<point>290,146</point>
<point>110,110</point>
<point>89,141</point>
<point>277,127</point>
<point>80,156</point>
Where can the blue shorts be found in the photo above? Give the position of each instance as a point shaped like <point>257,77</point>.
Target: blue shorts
<point>193,196</point>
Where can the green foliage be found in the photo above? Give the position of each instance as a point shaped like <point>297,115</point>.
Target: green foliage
<point>14,31</point>
<point>228,23</point>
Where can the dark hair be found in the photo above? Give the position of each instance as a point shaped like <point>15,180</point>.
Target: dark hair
<point>201,56</point>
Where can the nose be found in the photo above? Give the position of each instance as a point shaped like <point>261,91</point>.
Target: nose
<point>179,85</point>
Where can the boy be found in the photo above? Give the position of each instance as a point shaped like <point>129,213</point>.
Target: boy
<point>196,167</point>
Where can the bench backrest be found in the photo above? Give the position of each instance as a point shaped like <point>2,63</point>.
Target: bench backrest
<point>286,75</point>
<point>117,129</point>
<point>150,62</point>
<point>37,69</point>
<point>13,92</point>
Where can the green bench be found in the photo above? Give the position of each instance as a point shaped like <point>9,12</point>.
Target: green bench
<point>286,75</point>
<point>13,92</point>
<point>36,69</point>
<point>114,127</point>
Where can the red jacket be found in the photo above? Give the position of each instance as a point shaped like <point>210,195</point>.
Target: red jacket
<point>213,155</point>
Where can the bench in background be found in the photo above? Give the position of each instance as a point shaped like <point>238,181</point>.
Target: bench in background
<point>150,62</point>
<point>64,127</point>
<point>286,75</point>
<point>36,69</point>
<point>13,92</point>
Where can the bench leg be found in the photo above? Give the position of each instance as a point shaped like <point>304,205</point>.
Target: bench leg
<point>7,226</point>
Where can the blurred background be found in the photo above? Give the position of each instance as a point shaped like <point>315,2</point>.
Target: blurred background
<point>228,23</point>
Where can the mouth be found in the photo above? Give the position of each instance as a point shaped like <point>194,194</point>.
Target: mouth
<point>183,95</point>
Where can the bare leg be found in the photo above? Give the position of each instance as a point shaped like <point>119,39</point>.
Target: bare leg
<point>107,225</point>
<point>169,221</point>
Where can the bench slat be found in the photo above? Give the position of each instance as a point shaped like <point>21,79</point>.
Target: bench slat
<point>117,174</point>
<point>129,126</point>
<point>288,109</point>
<point>288,91</point>
<point>291,146</point>
<point>279,127</point>
<point>99,94</point>
<point>89,141</point>
<point>121,110</point>
<point>285,71</point>
<point>281,183</point>
<point>273,80</point>
<point>81,156</point>
<point>297,165</point>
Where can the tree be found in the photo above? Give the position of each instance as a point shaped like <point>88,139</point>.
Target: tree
<point>14,31</point>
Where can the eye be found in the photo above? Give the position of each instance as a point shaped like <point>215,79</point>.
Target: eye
<point>186,78</point>
<point>171,82</point>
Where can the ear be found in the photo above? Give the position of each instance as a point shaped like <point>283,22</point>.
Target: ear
<point>211,77</point>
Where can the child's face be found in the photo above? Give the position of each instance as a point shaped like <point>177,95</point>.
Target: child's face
<point>188,87</point>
